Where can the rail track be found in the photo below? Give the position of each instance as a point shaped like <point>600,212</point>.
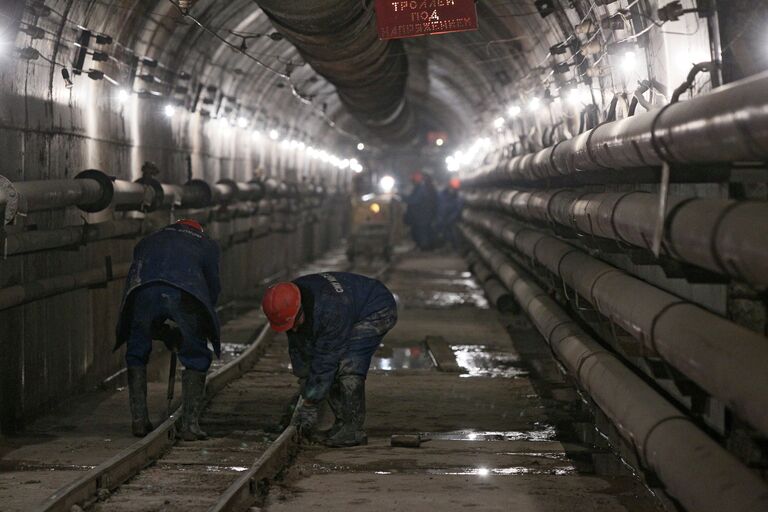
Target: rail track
<point>246,449</point>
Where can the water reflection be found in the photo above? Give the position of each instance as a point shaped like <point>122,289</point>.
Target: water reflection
<point>478,361</point>
<point>402,358</point>
<point>544,433</point>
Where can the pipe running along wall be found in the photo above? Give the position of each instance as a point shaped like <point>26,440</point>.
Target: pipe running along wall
<point>94,191</point>
<point>727,125</point>
<point>338,38</point>
<point>695,469</point>
<point>700,344</point>
<point>724,236</point>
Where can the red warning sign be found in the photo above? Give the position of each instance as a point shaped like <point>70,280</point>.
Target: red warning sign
<point>413,18</point>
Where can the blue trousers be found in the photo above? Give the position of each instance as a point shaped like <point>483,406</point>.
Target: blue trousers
<point>365,339</point>
<point>152,305</point>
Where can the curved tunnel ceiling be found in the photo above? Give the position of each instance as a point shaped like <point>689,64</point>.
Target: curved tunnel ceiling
<point>454,81</point>
<point>452,77</point>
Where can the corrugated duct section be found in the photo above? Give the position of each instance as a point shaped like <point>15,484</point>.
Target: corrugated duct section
<point>339,40</point>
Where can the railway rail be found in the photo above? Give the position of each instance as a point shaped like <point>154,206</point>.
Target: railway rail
<point>226,473</point>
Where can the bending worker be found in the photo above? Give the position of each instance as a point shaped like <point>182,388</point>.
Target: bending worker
<point>335,322</point>
<point>174,276</point>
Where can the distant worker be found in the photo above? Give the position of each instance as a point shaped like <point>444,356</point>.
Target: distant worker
<point>449,213</point>
<point>335,322</point>
<point>421,210</point>
<point>174,276</point>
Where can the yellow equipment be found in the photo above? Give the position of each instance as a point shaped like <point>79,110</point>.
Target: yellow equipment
<point>376,226</point>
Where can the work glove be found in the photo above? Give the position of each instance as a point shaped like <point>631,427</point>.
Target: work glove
<point>306,420</point>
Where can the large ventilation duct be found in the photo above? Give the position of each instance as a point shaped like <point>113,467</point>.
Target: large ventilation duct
<point>338,39</point>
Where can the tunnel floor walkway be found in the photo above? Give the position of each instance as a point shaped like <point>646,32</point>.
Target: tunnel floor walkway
<point>500,417</point>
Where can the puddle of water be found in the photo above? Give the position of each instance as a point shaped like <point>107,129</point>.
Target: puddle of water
<point>442,299</point>
<point>480,362</point>
<point>516,470</point>
<point>545,433</point>
<point>402,358</point>
<point>482,471</point>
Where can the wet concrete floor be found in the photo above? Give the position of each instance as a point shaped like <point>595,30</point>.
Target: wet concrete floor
<point>501,419</point>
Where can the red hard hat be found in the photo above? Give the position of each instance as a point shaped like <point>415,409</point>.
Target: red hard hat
<point>281,304</point>
<point>190,223</point>
<point>417,177</point>
<point>455,183</point>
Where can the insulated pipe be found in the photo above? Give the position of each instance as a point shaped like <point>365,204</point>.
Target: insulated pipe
<point>729,124</point>
<point>724,236</point>
<point>29,292</point>
<point>698,343</point>
<point>32,241</point>
<point>338,38</point>
<point>497,295</point>
<point>695,470</point>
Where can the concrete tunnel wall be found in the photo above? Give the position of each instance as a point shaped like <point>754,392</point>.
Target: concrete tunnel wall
<point>59,345</point>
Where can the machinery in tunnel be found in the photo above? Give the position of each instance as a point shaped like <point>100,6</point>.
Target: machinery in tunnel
<point>612,156</point>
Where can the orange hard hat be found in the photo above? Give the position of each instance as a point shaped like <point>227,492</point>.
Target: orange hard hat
<point>281,304</point>
<point>190,223</point>
<point>455,183</point>
<point>417,177</point>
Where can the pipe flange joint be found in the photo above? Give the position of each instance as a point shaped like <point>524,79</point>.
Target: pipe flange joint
<point>9,200</point>
<point>107,190</point>
<point>195,189</point>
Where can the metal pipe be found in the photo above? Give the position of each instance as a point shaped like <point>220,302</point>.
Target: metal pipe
<point>729,124</point>
<point>13,296</point>
<point>33,241</point>
<point>695,470</point>
<point>696,342</point>
<point>724,236</point>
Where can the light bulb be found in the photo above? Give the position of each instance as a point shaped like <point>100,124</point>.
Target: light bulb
<point>360,146</point>
<point>274,134</point>
<point>387,184</point>
<point>169,110</point>
<point>534,105</point>
<point>514,111</point>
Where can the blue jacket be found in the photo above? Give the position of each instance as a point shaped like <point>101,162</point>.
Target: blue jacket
<point>422,205</point>
<point>333,302</point>
<point>182,257</point>
<point>449,208</point>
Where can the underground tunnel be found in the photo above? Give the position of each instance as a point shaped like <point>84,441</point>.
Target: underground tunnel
<point>377,255</point>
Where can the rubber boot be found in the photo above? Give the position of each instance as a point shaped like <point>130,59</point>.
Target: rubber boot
<point>351,432</point>
<point>335,402</point>
<point>192,399</point>
<point>137,397</point>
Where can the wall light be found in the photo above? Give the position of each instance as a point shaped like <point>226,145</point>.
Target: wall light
<point>274,134</point>
<point>514,111</point>
<point>169,110</point>
<point>387,184</point>
<point>123,96</point>
<point>629,62</point>
<point>439,142</point>
<point>534,105</point>
<point>360,146</point>
<point>498,123</point>
<point>242,122</point>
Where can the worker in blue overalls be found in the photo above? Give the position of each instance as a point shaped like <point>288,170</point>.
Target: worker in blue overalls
<point>335,322</point>
<point>174,276</point>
